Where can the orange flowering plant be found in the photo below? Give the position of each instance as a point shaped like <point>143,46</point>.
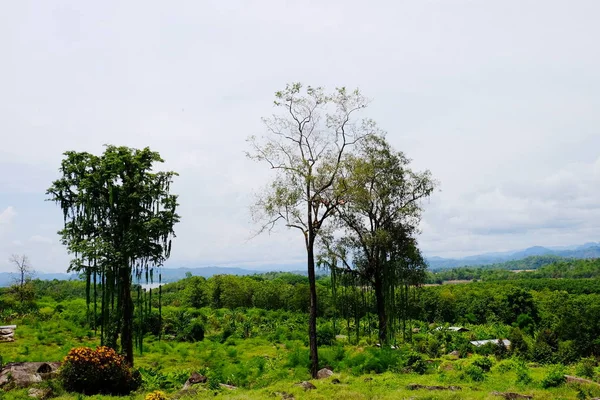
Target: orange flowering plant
<point>90,371</point>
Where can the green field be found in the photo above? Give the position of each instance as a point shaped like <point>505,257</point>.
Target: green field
<point>264,352</point>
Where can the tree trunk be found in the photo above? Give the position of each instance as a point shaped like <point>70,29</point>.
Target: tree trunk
<point>127,315</point>
<point>381,312</point>
<point>312,317</point>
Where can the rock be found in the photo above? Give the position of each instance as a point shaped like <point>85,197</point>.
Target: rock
<point>574,379</point>
<point>306,385</point>
<point>335,381</point>
<point>230,387</point>
<point>454,353</point>
<point>512,396</point>
<point>415,386</point>
<point>197,378</point>
<point>324,373</point>
<point>40,393</point>
<point>194,379</point>
<point>285,395</point>
<point>368,379</point>
<point>25,374</point>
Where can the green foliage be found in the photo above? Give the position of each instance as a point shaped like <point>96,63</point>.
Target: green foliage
<point>586,368</point>
<point>154,378</point>
<point>554,377</point>
<point>325,335</point>
<point>474,373</point>
<point>485,363</point>
<point>523,373</point>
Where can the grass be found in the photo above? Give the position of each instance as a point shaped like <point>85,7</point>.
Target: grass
<point>263,369</point>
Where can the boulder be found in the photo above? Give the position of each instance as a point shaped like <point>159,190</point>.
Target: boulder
<point>25,374</point>
<point>324,373</point>
<point>575,379</point>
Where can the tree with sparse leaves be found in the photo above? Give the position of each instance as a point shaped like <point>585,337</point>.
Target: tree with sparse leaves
<point>305,145</point>
<point>22,286</point>
<point>118,223</point>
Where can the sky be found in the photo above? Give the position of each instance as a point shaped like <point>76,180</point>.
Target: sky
<point>497,98</point>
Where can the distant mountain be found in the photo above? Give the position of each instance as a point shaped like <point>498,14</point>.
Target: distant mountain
<point>8,278</point>
<point>168,274</point>
<point>588,250</point>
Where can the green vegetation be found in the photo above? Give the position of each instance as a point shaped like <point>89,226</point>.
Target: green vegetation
<point>249,332</point>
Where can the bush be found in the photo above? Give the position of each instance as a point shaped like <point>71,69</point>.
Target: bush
<point>585,368</point>
<point>555,376</point>
<point>156,395</point>
<point>483,362</point>
<point>194,332</point>
<point>89,371</point>
<point>474,373</point>
<point>325,336</point>
<point>522,372</point>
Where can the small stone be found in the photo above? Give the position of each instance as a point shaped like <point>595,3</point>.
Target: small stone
<point>368,379</point>
<point>197,378</point>
<point>230,387</point>
<point>306,385</point>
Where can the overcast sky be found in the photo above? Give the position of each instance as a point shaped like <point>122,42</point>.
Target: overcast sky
<point>499,99</point>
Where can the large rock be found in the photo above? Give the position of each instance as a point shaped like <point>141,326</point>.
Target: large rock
<point>25,374</point>
<point>324,373</point>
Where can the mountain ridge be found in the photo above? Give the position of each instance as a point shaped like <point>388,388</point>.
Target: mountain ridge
<point>171,274</point>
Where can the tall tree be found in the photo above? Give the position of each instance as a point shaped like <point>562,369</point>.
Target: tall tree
<point>380,217</point>
<point>118,223</point>
<point>25,272</point>
<point>305,146</point>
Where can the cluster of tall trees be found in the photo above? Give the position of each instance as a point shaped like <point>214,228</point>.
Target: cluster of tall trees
<point>340,183</point>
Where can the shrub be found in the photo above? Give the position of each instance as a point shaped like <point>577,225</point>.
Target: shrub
<point>156,395</point>
<point>518,345</point>
<point>194,332</point>
<point>555,376</point>
<point>325,336</point>
<point>585,367</point>
<point>522,372</point>
<point>474,373</point>
<point>89,371</point>
<point>483,362</point>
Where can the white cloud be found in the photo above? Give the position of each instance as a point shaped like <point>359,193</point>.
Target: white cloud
<point>504,117</point>
<point>40,239</point>
<point>7,216</point>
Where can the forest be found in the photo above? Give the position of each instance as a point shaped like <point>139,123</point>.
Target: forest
<point>369,321</point>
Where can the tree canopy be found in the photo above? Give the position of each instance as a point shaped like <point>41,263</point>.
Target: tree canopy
<point>118,223</point>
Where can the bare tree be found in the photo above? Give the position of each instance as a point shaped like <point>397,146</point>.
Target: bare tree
<point>305,145</point>
<point>24,274</point>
